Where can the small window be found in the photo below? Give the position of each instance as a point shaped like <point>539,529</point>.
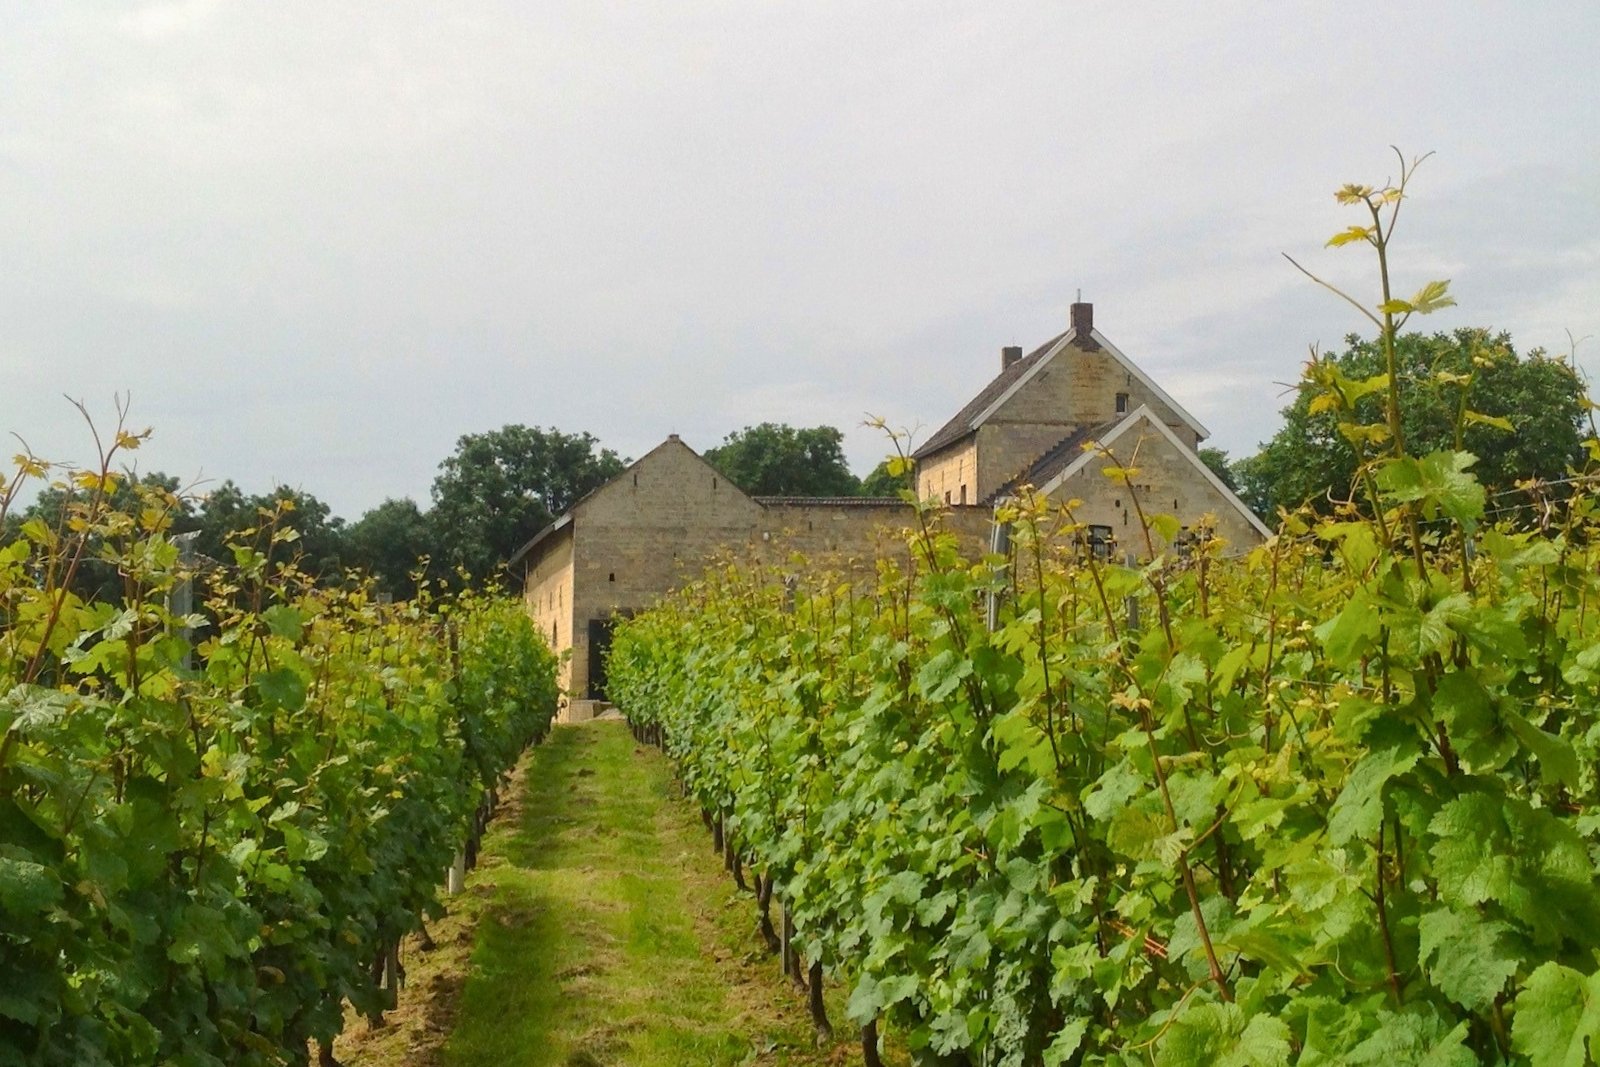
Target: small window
<point>947,497</point>
<point>611,577</point>
<point>963,494</point>
<point>1122,403</point>
<point>713,485</point>
<point>1100,541</point>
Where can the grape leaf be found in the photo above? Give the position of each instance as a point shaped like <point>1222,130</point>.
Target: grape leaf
<point>1558,1013</point>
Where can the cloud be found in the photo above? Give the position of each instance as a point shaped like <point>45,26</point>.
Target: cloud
<point>168,19</point>
<point>319,243</point>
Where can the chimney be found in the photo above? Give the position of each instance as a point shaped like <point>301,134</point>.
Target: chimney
<point>1010,356</point>
<point>1082,318</point>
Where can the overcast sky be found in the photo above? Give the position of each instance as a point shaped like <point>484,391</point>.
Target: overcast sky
<point>318,242</point>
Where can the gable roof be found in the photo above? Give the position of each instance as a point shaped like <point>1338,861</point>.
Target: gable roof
<point>992,397</point>
<point>565,520</point>
<point>1145,415</point>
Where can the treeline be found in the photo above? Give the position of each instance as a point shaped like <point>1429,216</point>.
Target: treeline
<point>495,491</point>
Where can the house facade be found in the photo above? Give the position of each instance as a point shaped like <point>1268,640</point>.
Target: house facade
<point>1057,418</point>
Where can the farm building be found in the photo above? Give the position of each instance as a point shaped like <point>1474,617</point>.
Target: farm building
<point>657,525</point>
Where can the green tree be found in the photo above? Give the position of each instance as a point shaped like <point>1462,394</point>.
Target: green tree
<point>501,487</point>
<point>227,516</point>
<point>880,483</point>
<point>775,459</point>
<point>387,543</point>
<point>1523,417</point>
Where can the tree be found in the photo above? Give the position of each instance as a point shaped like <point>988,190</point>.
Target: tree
<point>387,543</point>
<point>503,486</point>
<point>1519,415</point>
<point>775,459</point>
<point>226,516</point>
<point>880,483</point>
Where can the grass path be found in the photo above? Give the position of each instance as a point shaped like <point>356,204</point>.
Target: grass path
<point>599,930</point>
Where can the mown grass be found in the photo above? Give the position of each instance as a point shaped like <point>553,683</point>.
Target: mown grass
<point>608,934</point>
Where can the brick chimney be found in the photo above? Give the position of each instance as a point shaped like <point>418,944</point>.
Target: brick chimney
<point>1082,318</point>
<point>1010,356</point>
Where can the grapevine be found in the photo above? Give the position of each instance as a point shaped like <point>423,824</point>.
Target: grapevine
<point>1331,800</point>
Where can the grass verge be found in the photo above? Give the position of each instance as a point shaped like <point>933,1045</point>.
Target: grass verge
<point>602,931</point>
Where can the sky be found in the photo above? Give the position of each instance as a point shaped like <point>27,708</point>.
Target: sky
<point>314,244</point>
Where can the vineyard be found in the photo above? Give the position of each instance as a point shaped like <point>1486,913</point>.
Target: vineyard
<point>227,792</point>
<point>1333,801</point>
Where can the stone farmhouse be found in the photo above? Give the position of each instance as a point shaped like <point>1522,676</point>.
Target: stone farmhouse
<point>1053,419</point>
<point>1035,421</point>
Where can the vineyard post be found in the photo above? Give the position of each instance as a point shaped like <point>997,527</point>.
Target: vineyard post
<point>785,939</point>
<point>456,876</point>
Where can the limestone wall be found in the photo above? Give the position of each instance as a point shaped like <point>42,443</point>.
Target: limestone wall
<point>951,475</point>
<point>1167,483</point>
<point>1080,385</point>
<point>547,593</point>
<point>647,532</point>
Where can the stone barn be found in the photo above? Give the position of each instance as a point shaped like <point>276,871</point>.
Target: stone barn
<point>655,527</point>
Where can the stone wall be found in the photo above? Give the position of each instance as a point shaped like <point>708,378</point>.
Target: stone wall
<point>649,531</point>
<point>1167,483</point>
<point>951,475</point>
<point>547,594</point>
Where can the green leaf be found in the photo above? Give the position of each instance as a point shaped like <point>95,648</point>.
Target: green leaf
<point>1474,957</point>
<point>1348,635</point>
<point>1111,793</point>
<point>1065,1043</point>
<point>1558,1014</point>
<point>1222,1035</point>
<point>1440,480</point>
<point>940,676</point>
<point>1558,760</point>
<point>285,621</point>
<point>282,688</point>
<point>27,888</point>
<point>28,707</point>
<point>1499,422</point>
<point>1358,811</point>
<point>1536,867</point>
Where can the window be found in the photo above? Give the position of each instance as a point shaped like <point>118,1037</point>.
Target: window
<point>611,577</point>
<point>947,497</point>
<point>1100,541</point>
<point>963,494</point>
<point>1122,403</point>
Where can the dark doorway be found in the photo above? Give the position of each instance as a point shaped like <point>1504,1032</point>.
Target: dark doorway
<point>599,646</point>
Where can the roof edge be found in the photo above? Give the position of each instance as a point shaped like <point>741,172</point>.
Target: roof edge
<point>1143,414</point>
